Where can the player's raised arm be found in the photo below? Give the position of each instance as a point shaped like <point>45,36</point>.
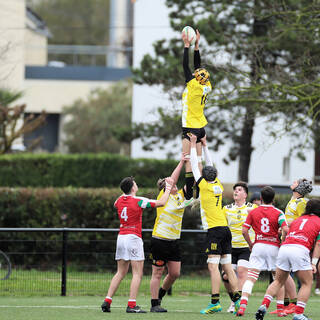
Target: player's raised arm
<point>187,72</point>
<point>206,152</point>
<point>196,57</point>
<point>176,172</point>
<point>194,158</point>
<point>163,200</point>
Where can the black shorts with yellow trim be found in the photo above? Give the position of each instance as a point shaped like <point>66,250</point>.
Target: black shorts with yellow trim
<point>240,254</point>
<point>218,241</point>
<point>198,132</point>
<point>162,251</point>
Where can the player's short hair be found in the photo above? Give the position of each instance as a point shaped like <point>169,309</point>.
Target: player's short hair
<point>242,184</point>
<point>126,184</point>
<point>267,194</point>
<point>209,173</point>
<point>255,196</point>
<point>161,184</point>
<point>313,207</point>
<point>201,75</point>
<point>304,186</point>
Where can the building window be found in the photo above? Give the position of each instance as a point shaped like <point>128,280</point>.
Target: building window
<point>48,134</point>
<point>286,168</point>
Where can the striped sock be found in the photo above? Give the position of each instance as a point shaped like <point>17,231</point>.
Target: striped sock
<point>132,303</point>
<point>267,300</point>
<point>108,299</point>
<point>300,307</point>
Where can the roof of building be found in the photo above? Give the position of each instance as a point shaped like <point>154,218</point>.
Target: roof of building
<point>35,23</point>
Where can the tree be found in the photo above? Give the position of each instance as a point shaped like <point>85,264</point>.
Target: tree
<point>12,123</point>
<point>102,123</point>
<point>269,49</point>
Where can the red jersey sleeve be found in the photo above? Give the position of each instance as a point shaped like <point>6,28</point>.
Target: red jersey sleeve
<point>248,223</point>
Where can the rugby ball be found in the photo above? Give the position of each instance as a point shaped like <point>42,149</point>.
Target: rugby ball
<point>190,33</point>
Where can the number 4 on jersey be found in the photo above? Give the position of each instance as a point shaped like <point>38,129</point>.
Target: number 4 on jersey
<point>123,214</point>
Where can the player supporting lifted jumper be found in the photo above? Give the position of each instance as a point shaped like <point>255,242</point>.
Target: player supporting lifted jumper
<point>265,221</point>
<point>218,240</point>
<point>165,249</point>
<point>129,242</point>
<point>236,214</point>
<point>194,98</point>
<point>303,234</point>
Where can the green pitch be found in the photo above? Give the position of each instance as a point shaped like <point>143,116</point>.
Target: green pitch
<point>88,308</point>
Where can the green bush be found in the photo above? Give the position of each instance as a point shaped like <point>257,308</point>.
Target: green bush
<point>77,208</point>
<point>79,170</point>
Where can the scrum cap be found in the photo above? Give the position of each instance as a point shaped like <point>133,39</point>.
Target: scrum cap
<point>201,75</point>
<point>304,187</point>
<point>209,173</point>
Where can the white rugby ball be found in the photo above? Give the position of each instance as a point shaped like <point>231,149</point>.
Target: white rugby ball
<point>190,33</point>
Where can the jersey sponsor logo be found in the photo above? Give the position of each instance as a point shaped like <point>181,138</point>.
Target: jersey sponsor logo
<point>260,237</point>
<point>297,236</point>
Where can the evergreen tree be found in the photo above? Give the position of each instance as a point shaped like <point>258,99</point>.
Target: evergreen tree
<point>263,58</point>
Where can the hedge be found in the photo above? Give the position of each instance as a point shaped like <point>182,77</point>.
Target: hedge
<point>79,170</point>
<point>73,208</point>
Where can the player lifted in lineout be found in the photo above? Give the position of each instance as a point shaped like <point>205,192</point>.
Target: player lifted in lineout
<point>194,98</point>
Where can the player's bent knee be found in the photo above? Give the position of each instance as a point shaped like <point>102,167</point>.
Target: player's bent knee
<point>226,259</point>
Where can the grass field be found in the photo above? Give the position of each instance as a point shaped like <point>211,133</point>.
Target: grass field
<point>88,308</point>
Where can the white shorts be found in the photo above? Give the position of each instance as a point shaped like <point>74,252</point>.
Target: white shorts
<point>129,247</point>
<point>263,257</point>
<point>293,257</point>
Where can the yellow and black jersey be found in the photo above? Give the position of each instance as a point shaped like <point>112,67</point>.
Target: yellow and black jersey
<point>169,218</point>
<point>194,99</point>
<point>211,204</point>
<point>295,208</point>
<point>236,216</point>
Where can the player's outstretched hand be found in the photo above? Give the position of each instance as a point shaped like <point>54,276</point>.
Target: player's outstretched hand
<point>185,157</point>
<point>169,181</point>
<point>193,138</point>
<point>204,141</point>
<point>197,40</point>
<point>185,40</point>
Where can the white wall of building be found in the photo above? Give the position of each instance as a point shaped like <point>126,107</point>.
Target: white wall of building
<point>12,24</point>
<point>151,23</point>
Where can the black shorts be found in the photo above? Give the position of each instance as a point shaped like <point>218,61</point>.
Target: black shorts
<point>200,133</point>
<point>218,241</point>
<point>162,251</point>
<point>240,254</point>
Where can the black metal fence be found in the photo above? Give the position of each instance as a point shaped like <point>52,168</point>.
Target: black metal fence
<point>77,261</point>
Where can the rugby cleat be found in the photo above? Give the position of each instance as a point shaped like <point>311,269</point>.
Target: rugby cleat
<point>212,308</point>
<point>105,307</point>
<point>241,312</point>
<point>157,309</point>
<point>237,306</point>
<point>290,308</point>
<point>135,309</point>
<point>231,308</point>
<point>261,312</point>
<point>300,317</point>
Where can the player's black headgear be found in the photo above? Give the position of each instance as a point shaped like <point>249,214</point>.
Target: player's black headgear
<point>209,173</point>
<point>304,187</point>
